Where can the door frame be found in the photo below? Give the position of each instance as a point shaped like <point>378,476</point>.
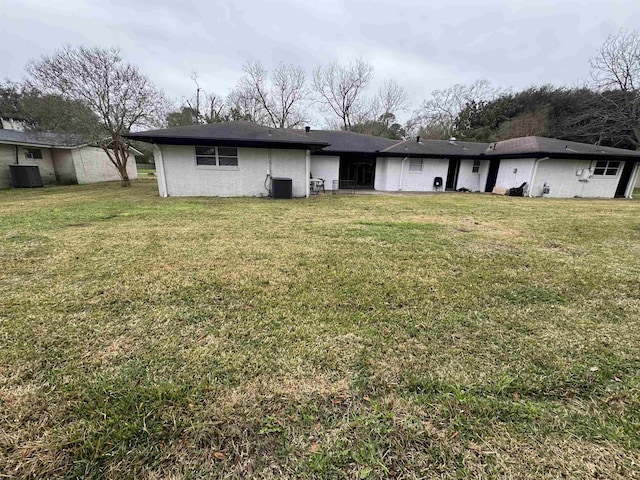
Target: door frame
<point>346,172</point>
<point>454,164</point>
<point>492,174</point>
<point>628,168</point>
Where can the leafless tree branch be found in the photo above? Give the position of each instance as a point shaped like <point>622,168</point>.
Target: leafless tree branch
<point>117,92</point>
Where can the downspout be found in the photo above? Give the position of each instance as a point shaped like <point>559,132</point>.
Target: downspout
<point>162,179</point>
<point>308,174</point>
<point>533,174</point>
<point>402,173</point>
<point>267,183</point>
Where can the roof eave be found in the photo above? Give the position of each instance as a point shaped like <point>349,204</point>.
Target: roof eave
<point>43,145</point>
<point>230,142</point>
<point>567,155</point>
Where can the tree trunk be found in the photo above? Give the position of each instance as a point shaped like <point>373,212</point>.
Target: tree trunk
<point>124,176</point>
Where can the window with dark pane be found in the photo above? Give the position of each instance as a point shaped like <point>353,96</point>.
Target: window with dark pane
<point>206,151</point>
<point>34,153</point>
<point>476,166</point>
<point>217,156</point>
<point>608,168</point>
<point>227,156</point>
<point>600,168</point>
<point>612,168</point>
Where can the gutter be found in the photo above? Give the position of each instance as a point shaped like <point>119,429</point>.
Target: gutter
<point>533,174</point>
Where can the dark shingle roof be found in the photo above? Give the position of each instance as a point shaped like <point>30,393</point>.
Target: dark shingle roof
<point>553,147</point>
<point>341,141</point>
<point>236,133</point>
<point>41,139</point>
<point>437,148</point>
<point>335,142</point>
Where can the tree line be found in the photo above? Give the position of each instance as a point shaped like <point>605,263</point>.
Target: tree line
<point>96,93</point>
<point>283,98</point>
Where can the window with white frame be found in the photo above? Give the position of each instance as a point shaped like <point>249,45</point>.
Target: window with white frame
<point>606,168</point>
<point>476,166</point>
<point>217,156</point>
<point>33,153</point>
<point>415,165</point>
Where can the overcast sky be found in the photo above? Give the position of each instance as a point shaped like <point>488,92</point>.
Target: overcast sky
<point>423,44</point>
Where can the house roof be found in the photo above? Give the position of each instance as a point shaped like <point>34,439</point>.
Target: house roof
<point>536,146</point>
<point>229,133</point>
<point>436,148</point>
<point>336,142</point>
<point>340,141</point>
<point>41,139</point>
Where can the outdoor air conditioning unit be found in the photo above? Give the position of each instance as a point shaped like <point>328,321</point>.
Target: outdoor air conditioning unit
<point>281,187</point>
<point>25,176</point>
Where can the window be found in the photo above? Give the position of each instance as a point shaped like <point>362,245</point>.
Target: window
<point>606,168</point>
<point>34,153</point>
<point>217,156</point>
<point>415,165</point>
<point>476,166</point>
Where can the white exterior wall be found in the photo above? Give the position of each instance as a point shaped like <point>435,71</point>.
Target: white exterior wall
<point>177,170</point>
<point>476,182</point>
<point>389,169</point>
<point>327,168</point>
<point>524,171</point>
<point>561,177</point>
<point>64,167</point>
<point>7,157</point>
<point>93,165</point>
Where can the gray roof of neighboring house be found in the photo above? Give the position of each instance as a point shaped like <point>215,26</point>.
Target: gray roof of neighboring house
<point>527,146</point>
<point>340,141</point>
<point>41,139</point>
<point>436,148</point>
<point>228,133</point>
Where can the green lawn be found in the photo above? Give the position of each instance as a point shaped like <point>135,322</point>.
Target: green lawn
<point>445,336</point>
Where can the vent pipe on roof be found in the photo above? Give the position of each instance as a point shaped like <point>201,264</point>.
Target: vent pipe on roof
<point>418,139</point>
<point>452,140</point>
<point>307,129</point>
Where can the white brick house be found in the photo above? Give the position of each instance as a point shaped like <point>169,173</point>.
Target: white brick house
<point>240,158</point>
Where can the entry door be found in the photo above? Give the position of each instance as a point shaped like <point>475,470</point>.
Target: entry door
<point>452,174</point>
<point>492,176</point>
<point>627,170</point>
<point>357,171</point>
<point>364,174</point>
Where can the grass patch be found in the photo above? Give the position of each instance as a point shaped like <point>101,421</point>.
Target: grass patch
<point>335,337</point>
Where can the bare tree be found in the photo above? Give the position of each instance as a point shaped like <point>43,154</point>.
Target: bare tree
<point>281,97</point>
<point>341,90</point>
<point>439,113</point>
<point>615,70</point>
<point>121,96</point>
<point>203,107</point>
<point>243,104</point>
<point>391,99</point>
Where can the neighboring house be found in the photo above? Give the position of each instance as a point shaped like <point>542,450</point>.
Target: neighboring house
<point>239,158</point>
<point>12,123</point>
<point>62,159</point>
